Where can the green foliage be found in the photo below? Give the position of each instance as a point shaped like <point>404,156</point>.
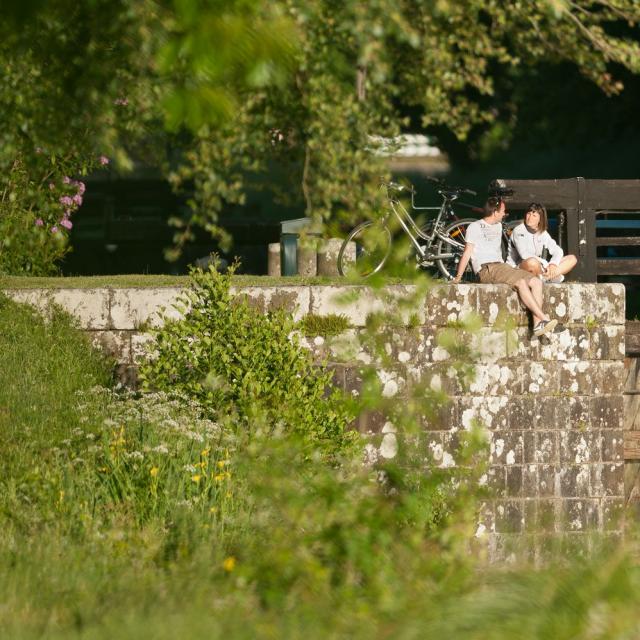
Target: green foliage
<point>330,325</point>
<point>234,360</point>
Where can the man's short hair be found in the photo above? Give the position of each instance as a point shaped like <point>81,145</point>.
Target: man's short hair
<point>492,205</point>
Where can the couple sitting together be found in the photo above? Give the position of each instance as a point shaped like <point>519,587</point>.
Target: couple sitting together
<point>533,257</point>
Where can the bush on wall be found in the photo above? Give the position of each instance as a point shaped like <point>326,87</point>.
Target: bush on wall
<point>246,365</point>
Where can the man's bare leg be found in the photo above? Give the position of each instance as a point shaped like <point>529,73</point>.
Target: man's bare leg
<point>535,285</point>
<point>530,302</point>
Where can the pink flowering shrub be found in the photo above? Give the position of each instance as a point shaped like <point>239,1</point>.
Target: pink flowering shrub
<point>36,210</point>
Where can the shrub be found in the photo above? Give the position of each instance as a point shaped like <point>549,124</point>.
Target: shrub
<point>243,364</point>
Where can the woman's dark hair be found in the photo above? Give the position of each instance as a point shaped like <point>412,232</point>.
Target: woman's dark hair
<point>492,205</point>
<point>534,207</point>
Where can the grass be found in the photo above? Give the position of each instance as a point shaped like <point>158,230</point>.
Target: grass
<point>139,280</point>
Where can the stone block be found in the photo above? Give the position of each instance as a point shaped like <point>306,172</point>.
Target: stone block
<point>273,260</point>
<point>293,299</point>
<point>548,480</point>
<point>434,448</point>
<point>90,307</point>
<point>441,377</point>
<point>607,412</point>
<point>498,304</point>
<point>556,301</point>
<point>577,378</point>
<point>509,516</point>
<point>575,481</point>
<point>612,377</point>
<point>580,515</point>
<point>570,345</point>
<point>399,304</point>
<point>440,415</point>
<point>612,514</point>
<point>451,304</point>
<point>521,412</point>
<point>491,412</point>
<point>546,447</point>
<point>608,342</point>
<point>613,479</point>
<point>514,481</point>
<point>540,378</point>
<point>135,309</point>
<point>489,344</point>
<point>579,447</point>
<point>116,344</point>
<point>595,303</point>
<point>579,412</point>
<point>497,379</point>
<point>141,344</point>
<point>328,256</point>
<point>530,483</point>
<point>548,515</point>
<point>306,260</point>
<point>612,442</point>
<point>506,448</point>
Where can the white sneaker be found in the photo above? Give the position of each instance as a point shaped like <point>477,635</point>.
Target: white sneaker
<point>557,280</point>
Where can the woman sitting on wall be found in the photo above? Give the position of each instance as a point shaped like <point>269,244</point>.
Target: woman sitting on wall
<point>533,249</point>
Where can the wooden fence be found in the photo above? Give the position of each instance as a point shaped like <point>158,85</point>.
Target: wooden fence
<point>586,208</point>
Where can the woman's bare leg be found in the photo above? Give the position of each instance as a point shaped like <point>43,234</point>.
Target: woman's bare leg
<point>531,265</point>
<point>566,264</point>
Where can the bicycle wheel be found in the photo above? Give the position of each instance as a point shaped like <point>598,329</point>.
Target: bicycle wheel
<point>452,249</point>
<point>372,247</point>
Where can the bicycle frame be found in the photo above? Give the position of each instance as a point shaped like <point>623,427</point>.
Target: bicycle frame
<point>410,227</point>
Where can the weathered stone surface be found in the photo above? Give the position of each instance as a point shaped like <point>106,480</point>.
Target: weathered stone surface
<point>607,412</point>
<point>306,260</point>
<point>357,303</point>
<point>135,309</point>
<point>571,344</point>
<point>116,344</point>
<point>540,378</point>
<point>607,342</point>
<point>294,299</point>
<point>490,412</point>
<point>328,256</point>
<point>578,378</point>
<point>595,304</point>
<point>447,304</point>
<point>141,344</point>
<point>273,259</point>
<point>89,306</point>
<point>498,305</point>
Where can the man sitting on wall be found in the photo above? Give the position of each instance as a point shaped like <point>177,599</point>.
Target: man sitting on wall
<point>484,248</point>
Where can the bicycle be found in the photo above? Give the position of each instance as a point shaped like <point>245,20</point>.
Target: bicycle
<point>443,237</point>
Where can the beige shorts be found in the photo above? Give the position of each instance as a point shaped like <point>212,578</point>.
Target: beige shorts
<point>501,273</point>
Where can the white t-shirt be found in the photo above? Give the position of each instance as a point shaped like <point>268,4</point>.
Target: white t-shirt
<point>487,243</point>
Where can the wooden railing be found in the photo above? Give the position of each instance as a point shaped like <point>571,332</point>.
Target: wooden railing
<point>586,207</point>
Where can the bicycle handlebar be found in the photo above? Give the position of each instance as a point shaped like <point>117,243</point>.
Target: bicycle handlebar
<point>445,187</point>
<point>395,186</point>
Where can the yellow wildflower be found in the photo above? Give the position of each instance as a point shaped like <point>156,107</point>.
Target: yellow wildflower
<point>229,564</point>
<point>222,463</point>
<point>196,478</point>
<point>220,477</point>
<point>213,509</point>
<point>205,452</point>
<point>154,471</point>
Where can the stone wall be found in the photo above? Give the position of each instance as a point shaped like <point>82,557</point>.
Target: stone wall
<point>554,410</point>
